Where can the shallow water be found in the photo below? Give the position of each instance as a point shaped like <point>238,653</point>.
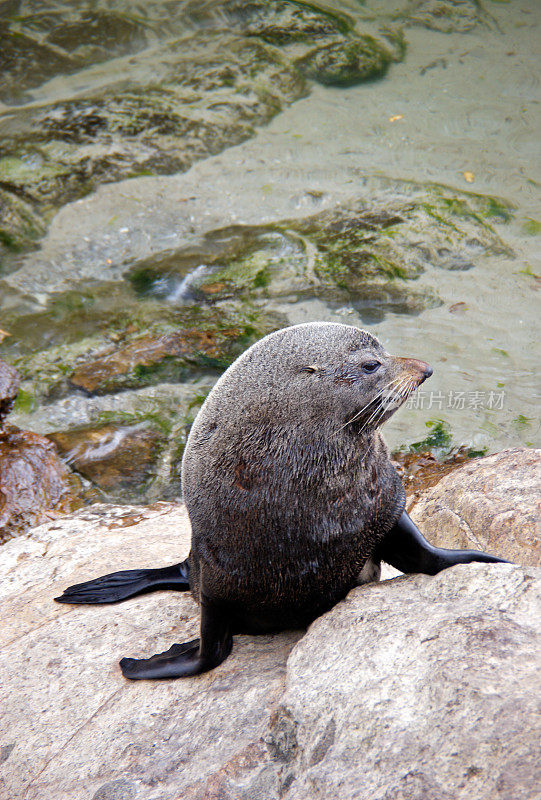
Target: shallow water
<point>461,110</point>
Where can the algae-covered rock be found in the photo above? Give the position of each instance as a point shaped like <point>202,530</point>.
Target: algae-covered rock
<point>43,39</point>
<point>104,337</point>
<point>446,16</point>
<point>155,358</point>
<point>279,22</point>
<point>35,485</point>
<point>345,64</point>
<point>200,77</point>
<point>128,445</point>
<point>364,255</point>
<point>20,224</point>
<point>193,105</point>
<point>197,342</point>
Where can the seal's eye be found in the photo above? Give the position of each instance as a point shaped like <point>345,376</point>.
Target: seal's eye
<point>310,370</point>
<point>370,367</point>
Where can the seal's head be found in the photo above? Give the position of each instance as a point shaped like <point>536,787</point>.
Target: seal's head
<point>324,372</point>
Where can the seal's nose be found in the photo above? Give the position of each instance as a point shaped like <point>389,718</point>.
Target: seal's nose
<point>424,368</point>
<point>416,368</point>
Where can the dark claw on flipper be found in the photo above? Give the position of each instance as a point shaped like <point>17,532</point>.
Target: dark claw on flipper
<point>405,548</point>
<point>119,586</point>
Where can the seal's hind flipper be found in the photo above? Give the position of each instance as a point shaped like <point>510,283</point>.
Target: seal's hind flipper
<point>405,548</point>
<point>119,586</point>
<point>190,658</point>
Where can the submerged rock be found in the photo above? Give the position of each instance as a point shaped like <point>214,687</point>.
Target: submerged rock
<point>113,457</point>
<point>153,359</point>
<point>46,39</point>
<point>340,64</point>
<point>446,16</point>
<point>365,255</point>
<point>191,107</point>
<point>200,77</point>
<point>105,340</point>
<point>408,688</point>
<point>491,504</point>
<point>20,223</point>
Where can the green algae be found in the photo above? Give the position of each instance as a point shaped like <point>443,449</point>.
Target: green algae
<point>439,437</point>
<point>346,64</point>
<point>25,402</point>
<point>531,227</point>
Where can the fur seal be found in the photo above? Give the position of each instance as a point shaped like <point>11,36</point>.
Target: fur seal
<point>290,492</point>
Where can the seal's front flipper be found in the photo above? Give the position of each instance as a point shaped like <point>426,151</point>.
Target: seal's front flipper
<point>190,658</point>
<point>119,586</point>
<point>406,549</point>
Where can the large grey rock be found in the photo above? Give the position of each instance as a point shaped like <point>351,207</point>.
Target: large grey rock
<point>71,726</point>
<point>421,688</point>
<point>492,504</point>
<point>413,688</point>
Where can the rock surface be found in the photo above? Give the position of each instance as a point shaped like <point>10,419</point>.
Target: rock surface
<point>492,504</point>
<point>380,700</point>
<point>10,381</point>
<point>35,485</point>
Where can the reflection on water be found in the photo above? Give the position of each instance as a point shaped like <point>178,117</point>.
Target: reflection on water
<point>287,162</point>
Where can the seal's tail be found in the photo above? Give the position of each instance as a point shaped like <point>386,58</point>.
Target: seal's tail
<point>119,586</point>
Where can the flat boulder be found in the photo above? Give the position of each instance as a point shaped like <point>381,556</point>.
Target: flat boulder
<point>412,688</point>
<point>72,726</point>
<point>491,504</point>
